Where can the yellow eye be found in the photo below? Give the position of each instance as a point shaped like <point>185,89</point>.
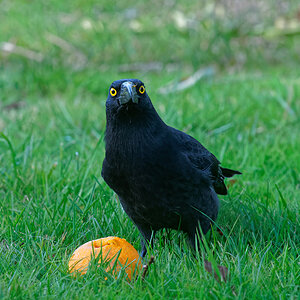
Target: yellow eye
<point>142,89</point>
<point>113,92</point>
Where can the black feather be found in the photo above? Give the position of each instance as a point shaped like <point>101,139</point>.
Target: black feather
<point>229,173</point>
<point>164,178</point>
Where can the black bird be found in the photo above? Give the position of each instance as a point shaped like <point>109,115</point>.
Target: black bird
<point>163,177</point>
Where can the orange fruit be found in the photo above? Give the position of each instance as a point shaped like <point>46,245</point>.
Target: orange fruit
<point>110,249</point>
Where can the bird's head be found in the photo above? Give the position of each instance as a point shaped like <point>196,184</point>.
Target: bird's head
<point>128,97</point>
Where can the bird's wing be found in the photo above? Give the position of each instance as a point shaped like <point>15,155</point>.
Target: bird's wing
<point>203,160</point>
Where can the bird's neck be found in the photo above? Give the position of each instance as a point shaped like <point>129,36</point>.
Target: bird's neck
<point>133,122</point>
<point>128,135</point>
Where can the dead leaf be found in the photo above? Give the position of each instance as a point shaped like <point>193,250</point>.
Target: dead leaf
<point>223,271</point>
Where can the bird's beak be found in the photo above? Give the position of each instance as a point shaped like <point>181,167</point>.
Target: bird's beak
<point>128,92</point>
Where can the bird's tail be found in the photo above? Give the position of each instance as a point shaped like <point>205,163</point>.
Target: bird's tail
<point>229,173</point>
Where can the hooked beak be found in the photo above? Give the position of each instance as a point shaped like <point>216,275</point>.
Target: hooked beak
<point>128,93</point>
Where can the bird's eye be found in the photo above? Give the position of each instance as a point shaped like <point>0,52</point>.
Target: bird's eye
<point>113,92</point>
<point>142,89</point>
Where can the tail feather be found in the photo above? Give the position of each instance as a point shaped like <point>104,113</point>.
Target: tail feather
<point>229,173</point>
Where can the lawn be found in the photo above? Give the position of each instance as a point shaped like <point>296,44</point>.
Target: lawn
<point>57,60</point>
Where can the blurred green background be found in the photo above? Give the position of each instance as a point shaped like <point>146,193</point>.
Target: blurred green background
<point>57,61</point>
<point>78,43</point>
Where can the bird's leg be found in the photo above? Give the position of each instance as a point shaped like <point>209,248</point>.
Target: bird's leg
<point>144,248</point>
<point>147,239</point>
<point>147,242</point>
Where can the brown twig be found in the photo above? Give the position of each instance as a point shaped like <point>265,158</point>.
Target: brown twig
<point>80,58</point>
<point>12,48</point>
<point>188,82</point>
<point>146,267</point>
<point>14,106</point>
<point>145,67</point>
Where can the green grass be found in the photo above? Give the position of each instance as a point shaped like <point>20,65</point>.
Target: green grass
<point>52,122</point>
